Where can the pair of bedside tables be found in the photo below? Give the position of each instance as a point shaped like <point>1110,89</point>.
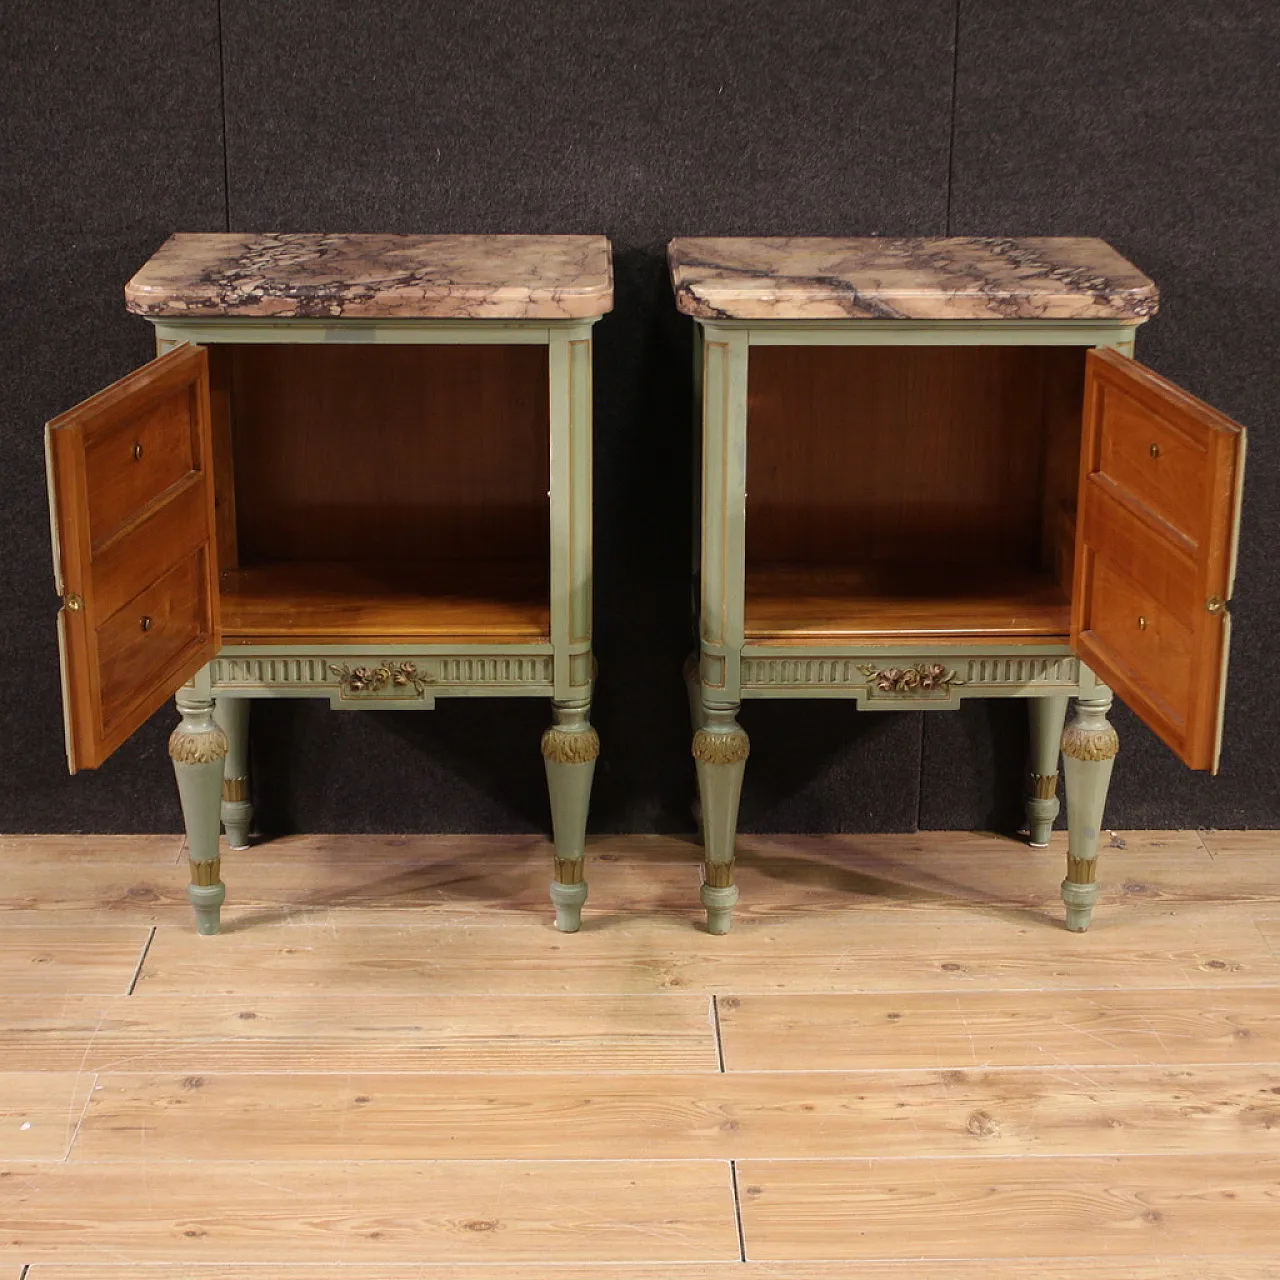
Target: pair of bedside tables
<point>360,469</point>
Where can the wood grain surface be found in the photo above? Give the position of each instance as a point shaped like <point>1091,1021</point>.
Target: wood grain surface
<point>39,1112</point>
<point>440,602</point>
<point>1160,486</point>
<point>1200,1267</point>
<point>887,602</point>
<point>1121,1207</point>
<point>778,875</point>
<point>1051,1111</point>
<point>52,960</point>
<point>954,434</point>
<point>374,453</point>
<point>543,1033</point>
<point>898,1066</point>
<point>351,952</point>
<point>454,1211</point>
<point>842,1031</point>
<point>132,503</point>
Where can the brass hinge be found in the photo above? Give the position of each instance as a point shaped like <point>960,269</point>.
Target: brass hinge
<point>1215,604</point>
<point>72,602</point>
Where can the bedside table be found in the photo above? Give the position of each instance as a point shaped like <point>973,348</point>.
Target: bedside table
<point>360,469</point>
<point>931,470</point>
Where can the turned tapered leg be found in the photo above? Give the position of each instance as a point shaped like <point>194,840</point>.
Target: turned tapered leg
<point>1047,717</point>
<point>198,748</point>
<point>693,688</point>
<point>569,750</point>
<point>237,813</point>
<point>1089,746</point>
<point>720,748</point>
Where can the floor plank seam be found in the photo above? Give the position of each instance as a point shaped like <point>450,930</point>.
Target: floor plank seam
<point>1007,1158</point>
<point>715,1022</point>
<point>808,993</point>
<point>737,1211</point>
<point>142,959</point>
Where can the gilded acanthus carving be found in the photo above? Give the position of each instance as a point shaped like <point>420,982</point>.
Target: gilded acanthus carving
<point>197,746</point>
<point>1090,744</point>
<point>721,748</point>
<point>396,675</point>
<point>1089,735</point>
<point>570,746</point>
<point>924,677</point>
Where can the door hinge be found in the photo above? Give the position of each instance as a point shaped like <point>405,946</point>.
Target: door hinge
<point>72,602</point>
<point>1215,604</point>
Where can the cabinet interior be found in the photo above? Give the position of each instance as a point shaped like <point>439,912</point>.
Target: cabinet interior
<point>897,492</point>
<point>382,492</point>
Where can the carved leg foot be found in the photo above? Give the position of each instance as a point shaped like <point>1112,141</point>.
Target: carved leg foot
<point>1089,746</point>
<point>1047,717</point>
<point>198,748</point>
<point>720,748</point>
<point>237,813</point>
<point>569,750</point>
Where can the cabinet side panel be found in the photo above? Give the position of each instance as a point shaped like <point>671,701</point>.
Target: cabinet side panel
<point>221,400</point>
<point>1063,404</point>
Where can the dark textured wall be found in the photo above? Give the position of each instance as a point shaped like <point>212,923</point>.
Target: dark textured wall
<point>1152,124</point>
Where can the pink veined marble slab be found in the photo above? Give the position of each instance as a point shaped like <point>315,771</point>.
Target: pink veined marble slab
<point>376,277</point>
<point>881,278</point>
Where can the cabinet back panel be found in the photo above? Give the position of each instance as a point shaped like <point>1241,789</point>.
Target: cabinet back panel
<point>859,454</point>
<point>396,453</point>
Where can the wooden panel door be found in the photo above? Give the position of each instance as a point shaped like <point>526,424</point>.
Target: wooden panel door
<point>131,504</point>
<point>1159,509</point>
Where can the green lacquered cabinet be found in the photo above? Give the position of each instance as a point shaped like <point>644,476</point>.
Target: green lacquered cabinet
<point>359,469</point>
<point>931,470</point>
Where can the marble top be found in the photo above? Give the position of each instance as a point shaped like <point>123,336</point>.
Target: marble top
<point>881,278</point>
<point>376,276</point>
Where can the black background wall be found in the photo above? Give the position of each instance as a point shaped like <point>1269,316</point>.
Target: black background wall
<point>1154,124</point>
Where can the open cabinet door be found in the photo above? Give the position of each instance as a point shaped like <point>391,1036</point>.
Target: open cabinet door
<point>1159,510</point>
<point>131,505</point>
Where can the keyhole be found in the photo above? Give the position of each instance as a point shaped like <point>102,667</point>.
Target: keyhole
<point>1155,450</point>
<point>137,453</point>
<point>1142,623</point>
<point>145,624</point>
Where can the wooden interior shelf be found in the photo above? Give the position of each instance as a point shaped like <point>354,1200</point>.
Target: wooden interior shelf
<point>438,603</point>
<point>902,602</point>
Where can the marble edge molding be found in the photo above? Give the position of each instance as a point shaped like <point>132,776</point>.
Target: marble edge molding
<point>906,278</point>
<point>372,276</point>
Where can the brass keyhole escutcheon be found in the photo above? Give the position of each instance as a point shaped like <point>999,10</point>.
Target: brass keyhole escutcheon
<point>1155,450</point>
<point>137,453</point>
<point>1142,623</point>
<point>145,624</point>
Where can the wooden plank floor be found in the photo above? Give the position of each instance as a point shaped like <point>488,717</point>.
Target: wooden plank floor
<point>899,1066</point>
